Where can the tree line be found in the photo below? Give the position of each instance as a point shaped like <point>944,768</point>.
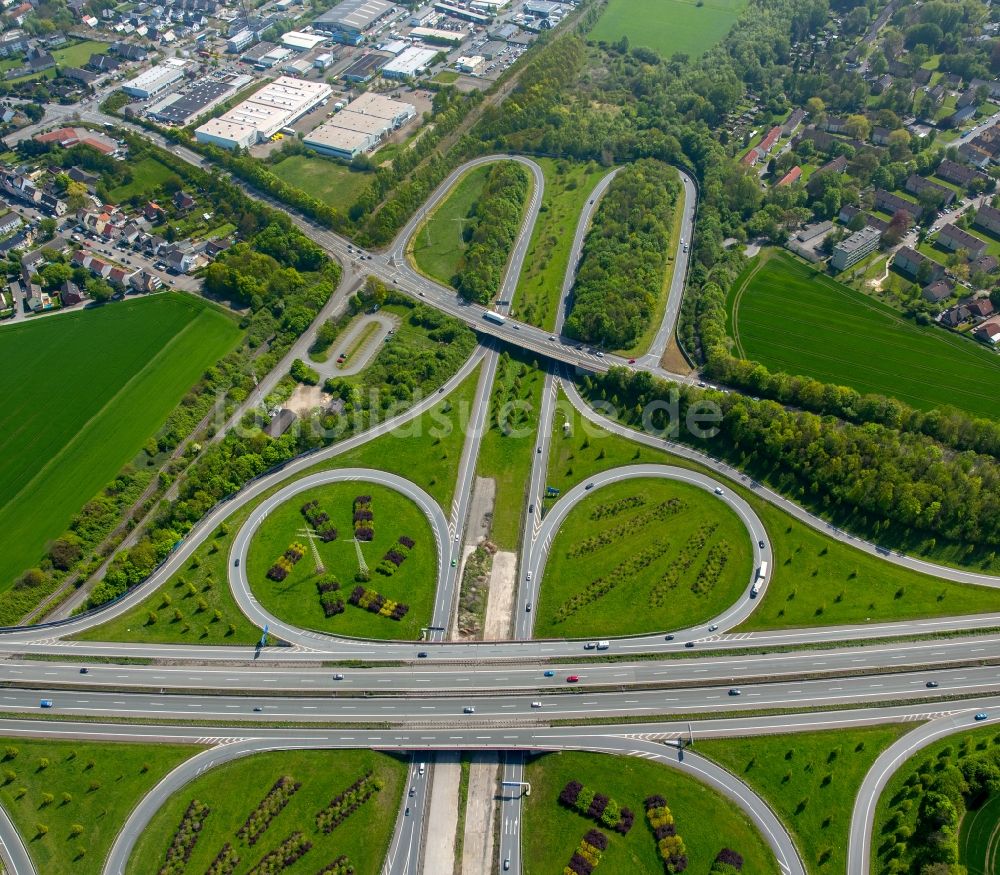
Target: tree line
<point>620,275</point>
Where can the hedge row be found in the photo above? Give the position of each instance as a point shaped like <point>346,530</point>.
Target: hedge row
<point>670,845</point>
<point>376,603</point>
<point>616,508</point>
<point>345,803</point>
<point>326,586</point>
<point>282,857</point>
<point>225,862</point>
<point>319,519</point>
<point>364,518</point>
<point>597,806</point>
<point>689,552</point>
<point>587,855</point>
<point>267,809</point>
<point>395,556</point>
<point>283,567</point>
<point>603,585</point>
<point>611,536</point>
<point>711,571</point>
<point>340,866</point>
<point>185,838</point>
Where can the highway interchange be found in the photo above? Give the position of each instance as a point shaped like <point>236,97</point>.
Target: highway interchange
<point>208,694</point>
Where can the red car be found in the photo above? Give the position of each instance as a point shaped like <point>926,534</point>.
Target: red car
<point>631,361</point>
<point>573,678</point>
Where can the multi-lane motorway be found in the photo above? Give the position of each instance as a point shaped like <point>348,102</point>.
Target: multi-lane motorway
<point>424,701</point>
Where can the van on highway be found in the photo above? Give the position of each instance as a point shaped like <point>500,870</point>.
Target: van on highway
<point>422,768</point>
<point>603,645</point>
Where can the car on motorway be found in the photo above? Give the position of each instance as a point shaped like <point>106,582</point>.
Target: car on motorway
<point>689,644</point>
<point>735,692</point>
<point>527,577</point>
<point>589,486</point>
<point>257,708</point>
<point>932,684</point>
<point>590,645</point>
<point>531,508</point>
<point>760,543</point>
<point>338,676</point>
<point>599,354</point>
<point>550,673</point>
<point>982,715</point>
<point>413,791</point>
<point>539,451</point>
<point>668,637</point>
<point>536,704</point>
<point>236,564</point>
<point>718,490</point>
<point>407,812</point>
<point>713,627</point>
<point>527,608</point>
<point>422,654</point>
<point>85,670</point>
<point>573,679</point>
<point>552,337</point>
<point>454,562</point>
<point>631,361</point>
<point>506,864</point>
<point>47,703</point>
<point>469,709</point>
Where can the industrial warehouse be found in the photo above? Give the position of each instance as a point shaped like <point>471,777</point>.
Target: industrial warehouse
<point>360,126</point>
<point>258,118</point>
<point>198,98</point>
<point>349,21</point>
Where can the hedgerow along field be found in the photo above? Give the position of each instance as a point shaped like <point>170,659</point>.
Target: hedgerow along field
<point>642,555</point>
<point>791,318</point>
<point>704,820</point>
<point>296,598</point>
<point>83,392</point>
<point>690,27</point>
<point>233,794</point>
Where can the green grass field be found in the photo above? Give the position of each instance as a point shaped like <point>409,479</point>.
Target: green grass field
<point>567,187</point>
<point>678,586</point>
<point>668,26</point>
<point>295,599</point>
<point>333,183</point>
<point>810,779</point>
<point>75,55</point>
<point>506,456</point>
<point>93,788</point>
<point>979,840</point>
<point>426,452</point>
<point>705,820</point>
<point>232,792</point>
<point>438,245</point>
<point>147,175</point>
<point>84,391</point>
<point>899,804</point>
<point>815,581</point>
<point>793,319</point>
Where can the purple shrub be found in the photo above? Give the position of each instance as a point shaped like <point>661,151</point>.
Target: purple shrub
<point>730,858</point>
<point>580,865</point>
<point>406,542</point>
<point>570,792</point>
<point>654,802</point>
<point>625,824</point>
<point>597,806</point>
<point>597,839</point>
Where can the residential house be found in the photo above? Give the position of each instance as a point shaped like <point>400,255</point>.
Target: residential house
<point>992,86</point>
<point>154,212</point>
<point>751,158</point>
<point>988,219</point>
<point>880,136</point>
<point>910,262</point>
<point>836,165</point>
<point>183,201</point>
<point>20,12</point>
<point>128,51</point>
<point>32,261</point>
<point>15,243</point>
<point>891,203</point>
<point>937,291</point>
<point>835,124</point>
<point>102,63</point>
<point>916,184</point>
<point>84,77</point>
<point>920,76</point>
<point>71,293</point>
<point>768,143</point>
<point>959,117</point>
<point>955,316</point>
<point>39,59</point>
<point>790,177</point>
<point>280,423</point>
<point>988,332</point>
<point>119,276</point>
<point>981,308</point>
<point>974,155</point>
<point>179,260</point>
<point>953,238</point>
<point>985,264</point>
<point>143,281</point>
<point>78,174</point>
<point>9,223</point>
<point>35,299</point>
<point>793,121</point>
<point>959,174</point>
<point>882,84</point>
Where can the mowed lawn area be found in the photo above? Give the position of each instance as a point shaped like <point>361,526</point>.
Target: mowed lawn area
<point>83,393</point>
<point>668,26</point>
<point>791,318</point>
<point>233,792</point>
<point>705,821</point>
<point>439,244</point>
<point>148,175</point>
<point>642,555</point>
<point>296,598</point>
<point>979,839</point>
<point>333,183</point>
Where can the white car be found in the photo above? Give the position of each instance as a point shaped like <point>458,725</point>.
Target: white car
<point>718,490</point>
<point>536,704</point>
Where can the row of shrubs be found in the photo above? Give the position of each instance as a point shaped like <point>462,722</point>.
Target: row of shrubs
<point>629,528</point>
<point>331,604</point>
<point>284,856</point>
<point>727,862</point>
<point>587,855</point>
<point>345,803</point>
<point>670,845</point>
<point>364,518</point>
<point>603,585</point>
<point>267,809</point>
<point>615,508</point>
<point>395,556</point>
<point>340,866</point>
<point>225,861</point>
<point>283,567</point>
<point>709,573</point>
<point>685,559</point>
<point>597,806</point>
<point>319,520</point>
<point>185,838</point>
<point>376,603</point>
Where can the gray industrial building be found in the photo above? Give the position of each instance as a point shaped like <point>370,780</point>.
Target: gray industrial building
<point>349,21</point>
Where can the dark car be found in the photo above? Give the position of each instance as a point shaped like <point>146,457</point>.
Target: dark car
<point>689,644</point>
<point>668,637</point>
<point>760,544</point>
<point>84,670</point>
<point>422,654</point>
<point>932,684</point>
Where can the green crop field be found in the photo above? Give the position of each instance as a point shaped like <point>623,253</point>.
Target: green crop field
<point>979,840</point>
<point>147,175</point>
<point>668,26</point>
<point>233,791</point>
<point>296,599</point>
<point>793,319</point>
<point>810,780</point>
<point>567,187</point>
<point>438,245</point>
<point>333,183</point>
<point>705,821</point>
<point>671,553</point>
<point>83,393</point>
<point>68,799</point>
